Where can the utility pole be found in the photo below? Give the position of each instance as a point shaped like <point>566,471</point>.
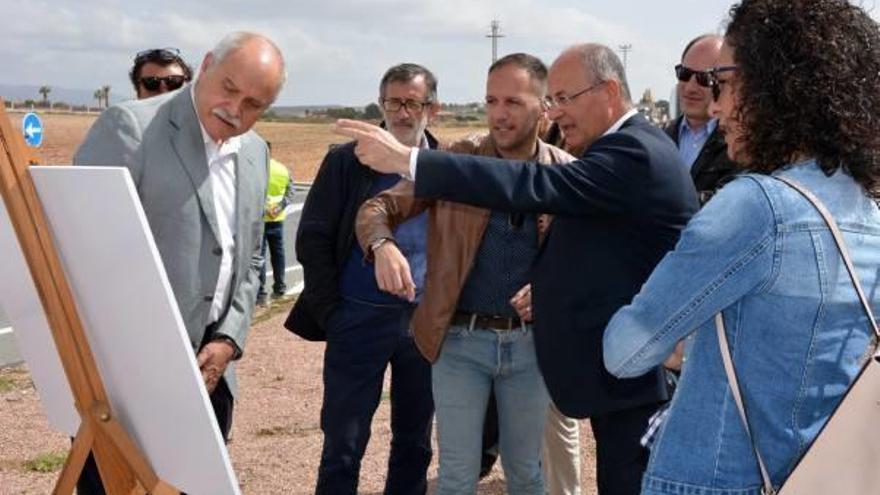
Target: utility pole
<point>496,33</point>
<point>625,49</point>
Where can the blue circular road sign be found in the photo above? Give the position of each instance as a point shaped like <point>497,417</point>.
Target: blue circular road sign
<point>33,130</point>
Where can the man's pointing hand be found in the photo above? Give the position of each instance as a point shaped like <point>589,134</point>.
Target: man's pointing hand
<point>376,147</point>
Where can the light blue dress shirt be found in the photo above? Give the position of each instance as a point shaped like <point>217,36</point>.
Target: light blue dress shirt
<point>690,141</point>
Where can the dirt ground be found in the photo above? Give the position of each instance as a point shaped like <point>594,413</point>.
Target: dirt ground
<point>276,438</point>
<point>299,146</point>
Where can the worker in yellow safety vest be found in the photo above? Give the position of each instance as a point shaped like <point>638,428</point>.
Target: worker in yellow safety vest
<point>279,194</point>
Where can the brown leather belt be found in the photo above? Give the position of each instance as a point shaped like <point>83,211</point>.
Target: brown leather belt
<point>485,321</point>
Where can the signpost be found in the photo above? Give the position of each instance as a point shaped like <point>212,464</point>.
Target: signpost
<point>32,127</point>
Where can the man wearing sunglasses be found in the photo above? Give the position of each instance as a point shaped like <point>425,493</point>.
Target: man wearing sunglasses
<point>367,330</point>
<point>201,176</point>
<point>700,141</point>
<point>617,211</point>
<point>157,71</point>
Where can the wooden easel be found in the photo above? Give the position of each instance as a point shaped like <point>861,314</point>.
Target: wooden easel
<point>124,469</point>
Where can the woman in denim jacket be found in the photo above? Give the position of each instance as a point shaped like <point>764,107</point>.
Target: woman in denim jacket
<point>797,90</point>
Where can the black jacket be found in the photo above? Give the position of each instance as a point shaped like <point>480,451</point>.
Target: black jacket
<point>325,236</point>
<point>617,210</point>
<point>712,168</point>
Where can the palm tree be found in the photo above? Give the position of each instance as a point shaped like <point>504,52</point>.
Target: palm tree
<point>99,95</point>
<point>106,91</point>
<point>45,90</point>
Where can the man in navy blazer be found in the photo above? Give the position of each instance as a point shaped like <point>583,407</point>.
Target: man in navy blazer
<point>618,210</point>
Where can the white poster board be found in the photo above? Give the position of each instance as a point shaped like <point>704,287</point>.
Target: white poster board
<point>22,305</point>
<point>133,325</point>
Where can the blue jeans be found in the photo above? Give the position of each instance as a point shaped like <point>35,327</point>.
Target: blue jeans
<point>362,340</point>
<point>273,237</point>
<point>471,362</point>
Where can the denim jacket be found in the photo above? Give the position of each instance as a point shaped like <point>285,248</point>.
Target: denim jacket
<point>761,253</point>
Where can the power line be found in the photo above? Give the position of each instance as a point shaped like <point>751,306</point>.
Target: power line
<point>495,35</point>
<point>625,49</point>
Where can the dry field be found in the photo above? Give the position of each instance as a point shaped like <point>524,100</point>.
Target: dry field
<point>299,146</point>
<point>276,437</point>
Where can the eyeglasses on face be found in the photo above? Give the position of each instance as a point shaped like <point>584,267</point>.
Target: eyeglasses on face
<point>395,104</point>
<point>153,83</point>
<point>715,82</point>
<point>684,74</point>
<point>564,100</point>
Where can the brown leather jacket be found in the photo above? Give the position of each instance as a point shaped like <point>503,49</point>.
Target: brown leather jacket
<point>455,232</point>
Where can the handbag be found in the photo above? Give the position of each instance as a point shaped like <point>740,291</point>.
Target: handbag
<point>843,459</point>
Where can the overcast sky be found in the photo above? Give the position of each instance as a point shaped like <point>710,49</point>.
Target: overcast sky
<point>337,50</point>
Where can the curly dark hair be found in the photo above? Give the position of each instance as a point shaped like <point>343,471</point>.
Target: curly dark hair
<point>809,84</point>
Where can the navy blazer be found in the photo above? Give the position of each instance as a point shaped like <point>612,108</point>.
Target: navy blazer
<point>618,210</point>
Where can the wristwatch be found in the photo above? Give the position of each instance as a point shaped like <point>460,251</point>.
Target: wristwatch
<point>236,351</point>
<point>378,242</point>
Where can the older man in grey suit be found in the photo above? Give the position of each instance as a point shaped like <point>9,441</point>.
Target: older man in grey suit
<point>201,176</point>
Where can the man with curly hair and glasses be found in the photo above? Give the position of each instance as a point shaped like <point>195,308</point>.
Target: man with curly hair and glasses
<point>367,330</point>
<point>158,70</point>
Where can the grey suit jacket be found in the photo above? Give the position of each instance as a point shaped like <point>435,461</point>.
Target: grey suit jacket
<point>160,141</point>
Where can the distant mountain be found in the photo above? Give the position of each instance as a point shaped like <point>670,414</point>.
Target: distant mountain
<point>21,92</point>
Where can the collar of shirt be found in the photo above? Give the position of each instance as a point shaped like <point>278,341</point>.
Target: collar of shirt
<point>413,157</point>
<point>616,126</point>
<point>423,142</point>
<point>214,151</point>
<point>706,130</point>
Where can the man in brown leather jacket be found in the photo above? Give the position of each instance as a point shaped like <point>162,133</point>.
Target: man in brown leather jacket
<point>473,322</point>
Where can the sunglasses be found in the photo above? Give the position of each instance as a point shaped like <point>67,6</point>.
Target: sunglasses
<point>717,83</point>
<point>684,74</point>
<point>152,83</point>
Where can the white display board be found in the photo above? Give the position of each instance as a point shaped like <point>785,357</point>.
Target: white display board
<point>22,305</point>
<point>133,326</point>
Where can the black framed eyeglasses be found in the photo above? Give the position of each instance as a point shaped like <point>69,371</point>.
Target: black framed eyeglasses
<point>153,83</point>
<point>715,82</point>
<point>684,73</point>
<point>564,100</point>
<point>395,104</point>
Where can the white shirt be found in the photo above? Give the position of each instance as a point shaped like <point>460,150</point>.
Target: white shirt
<point>617,125</point>
<point>221,170</point>
<point>414,156</point>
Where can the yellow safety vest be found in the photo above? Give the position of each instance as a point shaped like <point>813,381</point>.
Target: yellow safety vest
<point>279,177</point>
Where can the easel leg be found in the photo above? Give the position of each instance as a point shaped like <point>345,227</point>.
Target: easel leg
<point>163,488</point>
<point>117,476</point>
<point>128,451</point>
<point>73,466</point>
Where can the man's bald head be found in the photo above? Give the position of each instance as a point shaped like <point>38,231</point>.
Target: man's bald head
<point>239,79</point>
<point>699,55</point>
